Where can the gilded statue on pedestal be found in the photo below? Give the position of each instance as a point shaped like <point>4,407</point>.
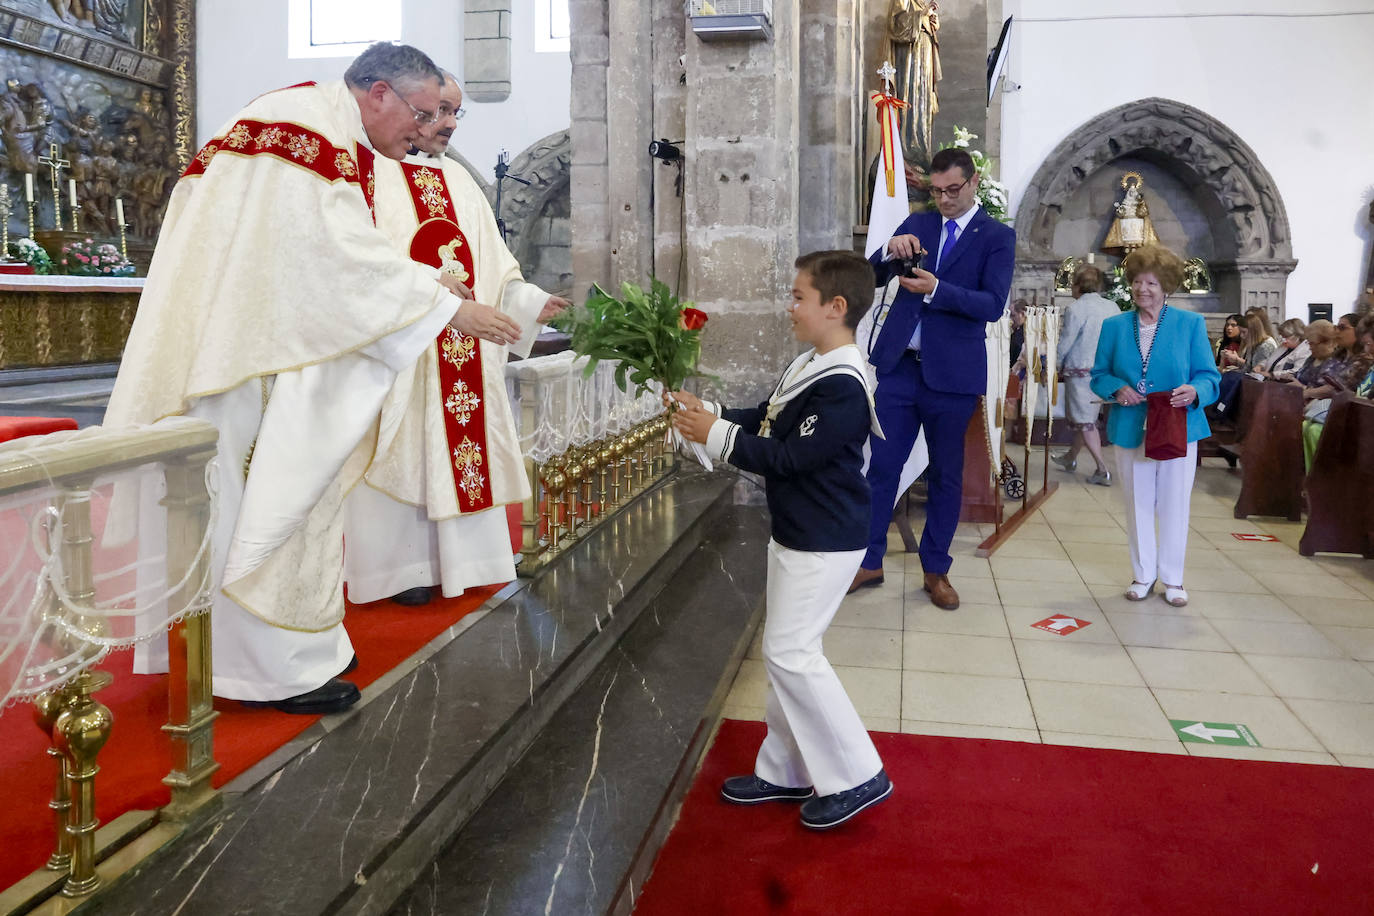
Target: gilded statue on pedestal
<point>913,27</point>
<point>1131,227</point>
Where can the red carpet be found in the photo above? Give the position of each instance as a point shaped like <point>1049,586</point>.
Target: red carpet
<point>137,756</point>
<point>982,826</point>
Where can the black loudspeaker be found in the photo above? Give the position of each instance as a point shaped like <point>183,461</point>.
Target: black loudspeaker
<point>1317,310</point>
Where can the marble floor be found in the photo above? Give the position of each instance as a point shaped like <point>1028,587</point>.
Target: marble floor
<point>1271,640</point>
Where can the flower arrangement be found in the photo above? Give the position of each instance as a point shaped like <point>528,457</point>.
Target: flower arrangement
<point>32,254</point>
<point>653,335</point>
<point>87,259</point>
<point>992,194</point>
<point>1117,290</point>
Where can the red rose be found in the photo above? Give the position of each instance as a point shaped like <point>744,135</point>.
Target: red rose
<point>693,319</point>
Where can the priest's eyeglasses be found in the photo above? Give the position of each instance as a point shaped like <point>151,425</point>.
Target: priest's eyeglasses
<point>421,117</point>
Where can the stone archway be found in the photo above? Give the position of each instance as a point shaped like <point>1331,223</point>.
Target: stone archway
<point>537,215</point>
<point>1255,248</point>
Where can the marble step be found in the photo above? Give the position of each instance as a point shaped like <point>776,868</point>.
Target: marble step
<point>346,816</point>
<point>576,823</point>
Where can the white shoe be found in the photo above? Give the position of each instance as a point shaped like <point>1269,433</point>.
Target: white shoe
<point>1175,595</point>
<point>1139,591</point>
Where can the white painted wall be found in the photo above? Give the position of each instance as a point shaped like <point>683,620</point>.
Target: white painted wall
<point>1292,83</point>
<point>241,52</point>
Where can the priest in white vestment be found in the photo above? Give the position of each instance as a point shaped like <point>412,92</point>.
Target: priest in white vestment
<point>431,510</point>
<point>275,309</point>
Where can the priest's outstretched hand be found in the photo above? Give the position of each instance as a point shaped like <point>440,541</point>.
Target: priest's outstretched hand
<point>454,285</point>
<point>477,320</point>
<point>552,308</point>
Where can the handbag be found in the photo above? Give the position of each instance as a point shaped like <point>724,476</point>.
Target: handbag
<point>1166,427</point>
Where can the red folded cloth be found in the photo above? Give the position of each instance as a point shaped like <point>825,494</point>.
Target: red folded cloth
<point>18,427</point>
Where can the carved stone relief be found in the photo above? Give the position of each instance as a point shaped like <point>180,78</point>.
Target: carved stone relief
<point>89,76</point>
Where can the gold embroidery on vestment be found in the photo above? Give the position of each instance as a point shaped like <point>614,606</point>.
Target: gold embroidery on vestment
<point>431,191</point>
<point>462,402</point>
<point>467,458</point>
<point>459,348</point>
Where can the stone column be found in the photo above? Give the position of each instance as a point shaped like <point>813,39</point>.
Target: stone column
<point>486,50</point>
<point>588,173</point>
<point>742,204</point>
<point>629,106</point>
<point>829,86</point>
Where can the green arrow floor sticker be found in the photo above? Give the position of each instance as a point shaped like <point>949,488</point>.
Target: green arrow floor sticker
<point>1191,730</point>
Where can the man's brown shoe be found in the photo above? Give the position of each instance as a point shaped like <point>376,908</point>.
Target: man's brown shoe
<point>866,578</point>
<point>942,594</point>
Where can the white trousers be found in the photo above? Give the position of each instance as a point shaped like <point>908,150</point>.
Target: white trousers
<point>391,546</point>
<point>1158,495</point>
<point>815,737</point>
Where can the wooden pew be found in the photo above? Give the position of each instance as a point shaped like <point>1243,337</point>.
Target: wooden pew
<point>1340,488</point>
<point>1271,451</point>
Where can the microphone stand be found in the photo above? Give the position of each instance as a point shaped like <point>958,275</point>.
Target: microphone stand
<point>502,173</point>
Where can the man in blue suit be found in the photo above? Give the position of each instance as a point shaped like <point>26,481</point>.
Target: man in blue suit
<point>931,359</point>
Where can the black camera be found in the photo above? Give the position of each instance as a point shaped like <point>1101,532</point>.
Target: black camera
<point>907,267</point>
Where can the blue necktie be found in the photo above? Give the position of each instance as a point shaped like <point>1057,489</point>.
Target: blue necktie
<point>951,229</point>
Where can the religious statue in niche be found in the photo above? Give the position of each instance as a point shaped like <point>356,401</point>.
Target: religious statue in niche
<point>1131,227</point>
<point>913,33</point>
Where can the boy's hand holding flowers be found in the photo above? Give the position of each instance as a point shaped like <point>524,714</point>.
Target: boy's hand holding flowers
<point>693,423</point>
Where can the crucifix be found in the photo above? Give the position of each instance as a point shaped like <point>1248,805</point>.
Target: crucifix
<point>888,74</point>
<point>55,164</point>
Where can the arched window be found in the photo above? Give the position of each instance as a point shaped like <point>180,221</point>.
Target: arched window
<point>341,28</point>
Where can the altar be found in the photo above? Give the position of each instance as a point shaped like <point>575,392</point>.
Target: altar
<point>52,321</point>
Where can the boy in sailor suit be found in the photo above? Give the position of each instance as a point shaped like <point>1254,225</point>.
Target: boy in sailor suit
<point>807,441</point>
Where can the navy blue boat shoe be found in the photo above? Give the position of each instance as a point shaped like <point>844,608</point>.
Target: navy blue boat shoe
<point>826,811</point>
<point>750,790</point>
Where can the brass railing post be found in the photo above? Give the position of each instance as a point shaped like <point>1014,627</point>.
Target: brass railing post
<point>190,708</point>
<point>46,708</point>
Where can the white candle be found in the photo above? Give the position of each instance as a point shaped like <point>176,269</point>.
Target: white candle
<point>1091,256</point>
<point>119,210</point>
<point>71,190</point>
<point>28,186</point>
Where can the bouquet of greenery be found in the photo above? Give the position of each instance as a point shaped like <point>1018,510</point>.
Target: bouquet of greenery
<point>87,259</point>
<point>652,335</point>
<point>31,253</point>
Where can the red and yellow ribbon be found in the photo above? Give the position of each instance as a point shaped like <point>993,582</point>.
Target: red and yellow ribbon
<point>888,107</point>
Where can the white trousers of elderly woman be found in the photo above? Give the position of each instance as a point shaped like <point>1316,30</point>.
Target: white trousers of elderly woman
<point>815,737</point>
<point>1158,495</point>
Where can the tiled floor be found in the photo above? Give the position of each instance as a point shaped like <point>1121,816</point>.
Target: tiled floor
<point>1271,640</point>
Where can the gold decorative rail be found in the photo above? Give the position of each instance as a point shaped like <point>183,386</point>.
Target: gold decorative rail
<point>589,449</point>
<point>69,465</point>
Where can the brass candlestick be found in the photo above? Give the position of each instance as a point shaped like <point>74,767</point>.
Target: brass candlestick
<point>123,243</point>
<point>76,217</point>
<point>32,204</point>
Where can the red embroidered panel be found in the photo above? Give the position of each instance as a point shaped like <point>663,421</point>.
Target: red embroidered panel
<point>288,142</point>
<point>439,242</point>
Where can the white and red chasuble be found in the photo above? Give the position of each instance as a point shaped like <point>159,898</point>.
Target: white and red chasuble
<point>447,439</point>
<point>439,242</point>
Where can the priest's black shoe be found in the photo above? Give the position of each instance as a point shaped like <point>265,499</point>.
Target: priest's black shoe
<point>335,696</point>
<point>750,790</point>
<point>826,811</point>
<point>414,597</point>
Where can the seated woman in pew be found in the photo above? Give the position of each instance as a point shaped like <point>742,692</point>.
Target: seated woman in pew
<point>1291,353</point>
<point>1351,374</point>
<point>1231,343</point>
<point>1259,346</point>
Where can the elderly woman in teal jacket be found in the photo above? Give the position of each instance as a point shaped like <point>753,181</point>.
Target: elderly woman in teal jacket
<point>1153,348</point>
